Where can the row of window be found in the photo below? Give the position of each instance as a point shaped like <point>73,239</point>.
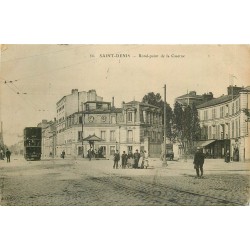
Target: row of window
<point>223,111</point>
<point>151,118</point>
<point>231,130</point>
<point>152,134</point>
<point>148,118</point>
<point>102,135</point>
<point>60,120</point>
<point>61,108</point>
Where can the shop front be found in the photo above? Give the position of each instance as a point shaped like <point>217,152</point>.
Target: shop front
<point>215,149</point>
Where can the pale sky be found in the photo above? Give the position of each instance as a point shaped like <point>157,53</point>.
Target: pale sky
<point>48,72</point>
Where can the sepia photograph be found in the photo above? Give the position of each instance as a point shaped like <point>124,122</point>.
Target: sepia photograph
<point>124,125</point>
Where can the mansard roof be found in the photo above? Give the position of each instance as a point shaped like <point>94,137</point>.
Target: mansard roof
<point>189,95</point>
<point>216,101</point>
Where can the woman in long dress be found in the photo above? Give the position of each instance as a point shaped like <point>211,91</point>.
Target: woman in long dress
<point>146,159</point>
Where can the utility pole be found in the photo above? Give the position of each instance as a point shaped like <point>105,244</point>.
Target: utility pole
<point>164,163</point>
<point>82,132</point>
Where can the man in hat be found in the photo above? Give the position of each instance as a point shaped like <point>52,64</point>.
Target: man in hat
<point>137,158</point>
<point>116,159</point>
<point>8,153</point>
<point>124,159</point>
<point>199,159</point>
<point>227,157</point>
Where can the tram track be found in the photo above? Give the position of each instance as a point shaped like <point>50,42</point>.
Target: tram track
<point>65,184</point>
<point>145,196</point>
<point>159,194</point>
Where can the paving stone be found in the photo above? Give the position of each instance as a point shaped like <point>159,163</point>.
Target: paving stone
<point>69,183</point>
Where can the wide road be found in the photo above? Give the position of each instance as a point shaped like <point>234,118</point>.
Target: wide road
<point>71,182</point>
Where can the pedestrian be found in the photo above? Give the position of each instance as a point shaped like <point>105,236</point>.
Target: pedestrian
<point>8,154</point>
<point>1,154</point>
<point>124,159</point>
<point>141,160</point>
<point>227,157</point>
<point>130,160</point>
<point>63,154</point>
<point>137,158</point>
<point>145,159</point>
<point>90,154</point>
<point>130,155</point>
<point>199,159</point>
<point>116,159</point>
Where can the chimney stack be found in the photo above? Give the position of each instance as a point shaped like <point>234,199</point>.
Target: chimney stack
<point>113,102</point>
<point>74,91</point>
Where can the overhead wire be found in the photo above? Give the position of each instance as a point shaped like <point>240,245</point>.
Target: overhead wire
<point>19,93</point>
<point>71,65</point>
<point>41,54</point>
<point>56,69</point>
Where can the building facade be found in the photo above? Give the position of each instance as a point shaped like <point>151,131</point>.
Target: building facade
<point>141,128</point>
<point>49,140</point>
<point>134,126</point>
<point>225,125</point>
<point>66,107</point>
<point>192,98</point>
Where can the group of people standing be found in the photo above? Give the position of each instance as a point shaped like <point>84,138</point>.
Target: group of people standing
<point>95,153</point>
<point>136,160</point>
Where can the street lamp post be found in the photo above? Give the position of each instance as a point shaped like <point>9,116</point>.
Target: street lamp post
<point>164,163</point>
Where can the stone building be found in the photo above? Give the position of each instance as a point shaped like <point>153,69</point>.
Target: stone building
<point>67,106</point>
<point>192,98</point>
<point>49,139</point>
<point>225,126</point>
<point>141,128</point>
<point>134,126</point>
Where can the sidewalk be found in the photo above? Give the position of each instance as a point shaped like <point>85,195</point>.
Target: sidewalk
<point>211,166</point>
<point>173,168</point>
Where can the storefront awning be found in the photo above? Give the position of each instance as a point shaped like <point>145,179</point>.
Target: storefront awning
<point>204,143</point>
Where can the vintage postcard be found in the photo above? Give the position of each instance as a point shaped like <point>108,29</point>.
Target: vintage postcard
<point>124,125</point>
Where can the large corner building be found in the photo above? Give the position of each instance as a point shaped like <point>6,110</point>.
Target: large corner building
<point>133,126</point>
<point>225,126</point>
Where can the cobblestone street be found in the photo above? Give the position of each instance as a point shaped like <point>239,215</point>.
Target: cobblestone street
<point>80,182</point>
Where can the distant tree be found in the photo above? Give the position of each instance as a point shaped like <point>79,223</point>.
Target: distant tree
<point>186,128</point>
<point>196,129</point>
<point>178,115</point>
<point>156,100</point>
<point>153,99</point>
